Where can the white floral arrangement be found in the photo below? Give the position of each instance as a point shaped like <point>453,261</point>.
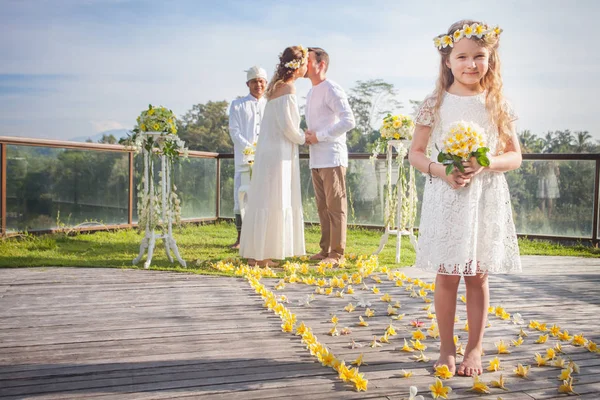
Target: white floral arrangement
<point>249,153</point>
<point>156,135</point>
<point>394,127</point>
<point>479,31</point>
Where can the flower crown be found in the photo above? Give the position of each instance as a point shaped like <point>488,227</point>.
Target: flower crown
<point>297,62</point>
<point>480,31</point>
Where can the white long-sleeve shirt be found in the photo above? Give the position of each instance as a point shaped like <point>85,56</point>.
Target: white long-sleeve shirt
<point>245,116</point>
<point>328,113</point>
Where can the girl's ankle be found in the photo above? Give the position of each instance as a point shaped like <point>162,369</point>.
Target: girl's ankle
<point>475,346</point>
<point>448,348</point>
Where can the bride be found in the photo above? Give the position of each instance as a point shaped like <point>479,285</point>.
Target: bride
<point>273,223</point>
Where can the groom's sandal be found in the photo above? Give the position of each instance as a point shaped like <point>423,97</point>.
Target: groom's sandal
<point>331,260</point>
<point>318,257</point>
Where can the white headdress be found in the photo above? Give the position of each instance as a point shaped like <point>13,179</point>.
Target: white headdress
<point>255,72</point>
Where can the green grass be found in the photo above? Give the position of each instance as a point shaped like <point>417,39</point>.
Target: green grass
<point>546,248</point>
<point>202,245</point>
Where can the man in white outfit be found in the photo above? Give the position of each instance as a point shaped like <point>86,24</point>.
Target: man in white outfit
<point>245,115</point>
<point>328,118</point>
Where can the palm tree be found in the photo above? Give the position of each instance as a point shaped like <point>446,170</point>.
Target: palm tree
<point>548,142</point>
<point>582,142</point>
<point>564,141</point>
<point>530,142</point>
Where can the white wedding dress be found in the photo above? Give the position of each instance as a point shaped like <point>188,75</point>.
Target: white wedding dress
<point>469,230</point>
<point>273,225</point>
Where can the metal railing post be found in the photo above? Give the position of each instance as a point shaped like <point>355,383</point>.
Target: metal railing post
<point>596,201</point>
<point>3,188</point>
<point>218,207</point>
<point>130,203</point>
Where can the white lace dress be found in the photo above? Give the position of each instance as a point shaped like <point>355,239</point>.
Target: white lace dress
<point>468,230</point>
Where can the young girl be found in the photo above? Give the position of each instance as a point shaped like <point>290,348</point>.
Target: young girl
<point>466,224</point>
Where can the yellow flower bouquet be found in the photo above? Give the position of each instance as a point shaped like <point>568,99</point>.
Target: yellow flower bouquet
<point>157,119</point>
<point>463,141</point>
<point>156,131</point>
<point>394,127</point>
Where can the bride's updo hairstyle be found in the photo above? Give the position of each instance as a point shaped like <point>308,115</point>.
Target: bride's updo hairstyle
<point>290,60</point>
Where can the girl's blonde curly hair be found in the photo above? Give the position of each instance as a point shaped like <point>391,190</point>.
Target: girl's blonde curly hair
<point>491,82</point>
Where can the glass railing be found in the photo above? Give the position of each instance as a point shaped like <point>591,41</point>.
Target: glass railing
<point>48,185</point>
<point>553,195</point>
<point>49,188</point>
<point>226,187</point>
<point>195,184</point>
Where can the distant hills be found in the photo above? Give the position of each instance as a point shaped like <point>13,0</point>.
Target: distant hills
<point>117,133</point>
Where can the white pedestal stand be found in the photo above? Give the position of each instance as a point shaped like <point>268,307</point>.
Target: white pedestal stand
<point>391,230</point>
<point>150,236</point>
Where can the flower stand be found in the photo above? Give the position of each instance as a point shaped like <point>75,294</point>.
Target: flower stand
<point>396,223</point>
<point>151,236</point>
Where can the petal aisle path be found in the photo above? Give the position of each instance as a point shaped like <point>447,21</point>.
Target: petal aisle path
<point>108,333</point>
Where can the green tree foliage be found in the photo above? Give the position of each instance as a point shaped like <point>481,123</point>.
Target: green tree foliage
<point>370,101</point>
<point>108,139</point>
<point>206,127</point>
<point>558,142</point>
<point>530,143</point>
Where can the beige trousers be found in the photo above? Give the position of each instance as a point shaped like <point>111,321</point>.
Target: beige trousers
<point>330,193</point>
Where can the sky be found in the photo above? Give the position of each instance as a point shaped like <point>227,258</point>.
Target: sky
<point>74,68</point>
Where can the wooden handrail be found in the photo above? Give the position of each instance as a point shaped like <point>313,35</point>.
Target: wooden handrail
<point>65,144</point>
<point>526,156</point>
<point>21,141</point>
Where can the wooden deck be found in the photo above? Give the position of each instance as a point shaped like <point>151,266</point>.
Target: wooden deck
<point>133,334</point>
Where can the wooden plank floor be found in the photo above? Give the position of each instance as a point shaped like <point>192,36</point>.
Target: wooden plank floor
<point>69,333</point>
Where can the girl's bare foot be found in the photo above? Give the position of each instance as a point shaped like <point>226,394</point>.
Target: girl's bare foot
<point>251,262</point>
<point>447,357</point>
<point>471,364</point>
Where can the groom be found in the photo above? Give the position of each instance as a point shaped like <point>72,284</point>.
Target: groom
<point>328,118</point>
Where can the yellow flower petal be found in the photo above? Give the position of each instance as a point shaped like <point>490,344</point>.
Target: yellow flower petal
<point>479,386</point>
<point>443,372</point>
<point>438,390</point>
